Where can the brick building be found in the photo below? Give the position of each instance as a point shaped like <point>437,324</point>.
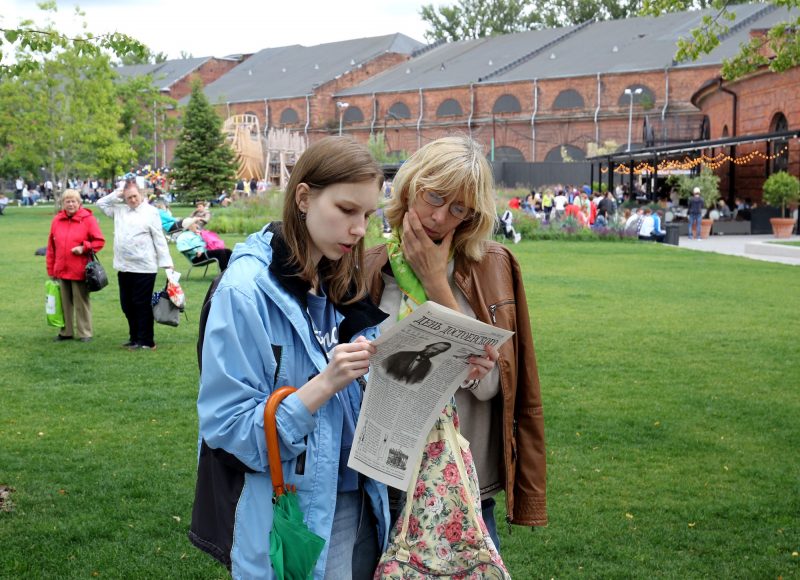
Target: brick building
<point>544,95</point>
<point>758,104</point>
<point>293,86</point>
<point>174,78</point>
<point>551,95</point>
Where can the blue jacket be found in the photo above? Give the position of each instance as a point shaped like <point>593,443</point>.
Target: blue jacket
<point>258,337</point>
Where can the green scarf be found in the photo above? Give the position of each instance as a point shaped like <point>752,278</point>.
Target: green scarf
<point>413,294</point>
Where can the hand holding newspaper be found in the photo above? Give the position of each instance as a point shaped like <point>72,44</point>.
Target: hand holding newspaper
<point>420,363</point>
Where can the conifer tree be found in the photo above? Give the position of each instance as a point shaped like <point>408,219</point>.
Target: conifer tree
<point>204,162</point>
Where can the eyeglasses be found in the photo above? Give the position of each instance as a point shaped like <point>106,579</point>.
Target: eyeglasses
<point>456,210</point>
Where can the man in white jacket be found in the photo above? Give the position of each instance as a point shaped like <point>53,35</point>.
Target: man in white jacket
<point>140,249</point>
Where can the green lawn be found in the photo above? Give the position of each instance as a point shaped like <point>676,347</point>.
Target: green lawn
<point>670,385</point>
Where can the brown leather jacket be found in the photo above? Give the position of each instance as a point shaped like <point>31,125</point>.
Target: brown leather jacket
<point>493,288</point>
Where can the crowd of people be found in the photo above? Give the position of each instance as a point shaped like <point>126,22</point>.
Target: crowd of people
<point>629,213</point>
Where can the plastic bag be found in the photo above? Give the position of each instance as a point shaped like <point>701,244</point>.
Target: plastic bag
<point>52,304</point>
<point>174,290</point>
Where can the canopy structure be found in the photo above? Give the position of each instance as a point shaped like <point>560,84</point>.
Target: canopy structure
<point>650,159</point>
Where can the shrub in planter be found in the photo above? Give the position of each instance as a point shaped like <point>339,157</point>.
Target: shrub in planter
<point>781,189</point>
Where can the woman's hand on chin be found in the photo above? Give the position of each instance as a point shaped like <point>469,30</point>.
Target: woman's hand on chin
<point>427,258</point>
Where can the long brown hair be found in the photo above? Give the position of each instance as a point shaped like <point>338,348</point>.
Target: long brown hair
<point>327,162</point>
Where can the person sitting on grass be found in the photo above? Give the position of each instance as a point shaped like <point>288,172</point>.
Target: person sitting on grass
<point>192,245</point>
<point>507,221</point>
<point>201,212</point>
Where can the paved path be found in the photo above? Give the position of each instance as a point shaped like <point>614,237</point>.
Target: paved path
<point>753,247</point>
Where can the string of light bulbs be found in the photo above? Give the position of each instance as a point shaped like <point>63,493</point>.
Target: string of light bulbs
<point>687,163</point>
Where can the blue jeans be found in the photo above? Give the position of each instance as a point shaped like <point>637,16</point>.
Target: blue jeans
<point>354,546</point>
<point>487,511</point>
<point>694,219</point>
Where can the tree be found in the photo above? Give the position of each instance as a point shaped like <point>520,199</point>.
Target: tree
<point>782,39</point>
<point>480,18</point>
<point>556,13</point>
<point>62,118</point>
<point>204,162</point>
<point>379,150</point>
<point>148,57</point>
<point>143,118</point>
<point>477,19</point>
<point>27,40</point>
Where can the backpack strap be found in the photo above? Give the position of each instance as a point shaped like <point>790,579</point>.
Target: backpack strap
<point>204,310</point>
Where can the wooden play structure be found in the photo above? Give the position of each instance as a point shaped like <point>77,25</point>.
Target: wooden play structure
<point>269,158</point>
<point>244,136</point>
<point>283,149</point>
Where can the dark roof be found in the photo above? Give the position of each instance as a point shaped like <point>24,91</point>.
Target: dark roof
<point>612,46</point>
<point>629,45</point>
<point>164,74</point>
<point>458,63</point>
<point>293,71</point>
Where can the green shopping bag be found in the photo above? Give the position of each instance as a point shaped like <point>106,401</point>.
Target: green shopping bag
<point>52,305</point>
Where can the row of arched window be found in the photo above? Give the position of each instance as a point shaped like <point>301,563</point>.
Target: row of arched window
<point>505,104</point>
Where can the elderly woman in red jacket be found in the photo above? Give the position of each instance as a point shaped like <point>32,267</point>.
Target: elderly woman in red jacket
<point>73,234</point>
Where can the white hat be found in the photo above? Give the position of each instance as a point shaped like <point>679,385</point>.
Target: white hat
<point>696,190</point>
<point>187,222</point>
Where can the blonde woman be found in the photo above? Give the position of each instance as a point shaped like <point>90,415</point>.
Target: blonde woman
<point>74,233</point>
<point>442,214</point>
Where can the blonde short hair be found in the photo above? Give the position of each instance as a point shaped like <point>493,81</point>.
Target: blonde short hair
<point>450,166</point>
<point>71,193</point>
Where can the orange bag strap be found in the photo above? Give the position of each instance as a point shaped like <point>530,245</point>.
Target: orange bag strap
<point>271,434</point>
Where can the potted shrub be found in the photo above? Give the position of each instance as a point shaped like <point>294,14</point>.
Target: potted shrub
<point>708,183</point>
<point>781,189</point>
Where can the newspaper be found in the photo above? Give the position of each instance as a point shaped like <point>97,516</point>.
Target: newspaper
<point>420,363</point>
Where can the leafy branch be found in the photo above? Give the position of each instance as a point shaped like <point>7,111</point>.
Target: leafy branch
<point>42,42</point>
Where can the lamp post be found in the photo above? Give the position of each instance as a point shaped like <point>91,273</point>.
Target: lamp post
<point>630,93</point>
<point>342,106</point>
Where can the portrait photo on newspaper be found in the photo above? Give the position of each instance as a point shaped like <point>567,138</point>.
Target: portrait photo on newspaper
<point>420,363</point>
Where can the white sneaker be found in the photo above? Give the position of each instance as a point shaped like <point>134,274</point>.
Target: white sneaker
<point>517,238</point>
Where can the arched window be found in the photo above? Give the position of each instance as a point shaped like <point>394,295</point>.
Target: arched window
<point>399,111</point>
<point>449,108</point>
<point>569,99</point>
<point>289,116</point>
<point>780,148</point>
<point>565,153</point>
<point>507,153</point>
<point>725,131</point>
<point>506,104</point>
<point>646,98</point>
<point>705,128</point>
<point>352,115</point>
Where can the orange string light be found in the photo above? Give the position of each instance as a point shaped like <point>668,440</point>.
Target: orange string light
<point>688,163</point>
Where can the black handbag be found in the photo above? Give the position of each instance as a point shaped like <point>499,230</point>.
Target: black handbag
<point>96,277</point>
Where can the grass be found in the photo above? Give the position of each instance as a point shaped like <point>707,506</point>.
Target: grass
<point>795,244</point>
<point>669,380</point>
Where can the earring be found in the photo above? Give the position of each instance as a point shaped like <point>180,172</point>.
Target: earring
<point>302,216</point>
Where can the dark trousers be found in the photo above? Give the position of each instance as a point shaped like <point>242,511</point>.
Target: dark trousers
<point>223,255</point>
<point>135,297</point>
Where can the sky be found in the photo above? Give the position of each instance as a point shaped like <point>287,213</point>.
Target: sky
<point>223,27</point>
